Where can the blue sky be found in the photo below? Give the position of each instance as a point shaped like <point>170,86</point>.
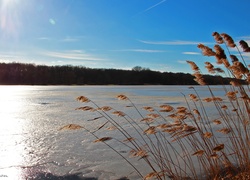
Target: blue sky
<point>121,34</point>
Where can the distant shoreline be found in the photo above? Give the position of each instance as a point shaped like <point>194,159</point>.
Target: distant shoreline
<point>31,74</point>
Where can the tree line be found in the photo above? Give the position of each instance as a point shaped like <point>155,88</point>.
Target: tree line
<point>31,74</point>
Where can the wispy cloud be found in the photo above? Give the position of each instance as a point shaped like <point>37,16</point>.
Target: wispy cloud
<point>151,7</point>
<point>173,42</point>
<point>191,53</point>
<point>12,56</point>
<point>246,55</point>
<point>8,56</point>
<point>142,50</point>
<point>182,62</point>
<point>244,37</point>
<point>70,39</point>
<point>66,39</point>
<point>17,56</point>
<point>76,51</point>
<point>44,38</point>
<point>73,55</point>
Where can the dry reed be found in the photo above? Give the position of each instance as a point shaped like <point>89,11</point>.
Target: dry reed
<point>187,142</point>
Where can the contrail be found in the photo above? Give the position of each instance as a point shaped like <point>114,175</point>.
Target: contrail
<point>153,6</point>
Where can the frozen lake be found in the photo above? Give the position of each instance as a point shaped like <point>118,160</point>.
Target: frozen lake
<point>31,145</point>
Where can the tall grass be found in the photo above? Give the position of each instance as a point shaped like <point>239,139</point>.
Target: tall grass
<point>188,141</point>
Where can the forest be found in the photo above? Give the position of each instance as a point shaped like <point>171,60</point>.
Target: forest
<point>30,74</point>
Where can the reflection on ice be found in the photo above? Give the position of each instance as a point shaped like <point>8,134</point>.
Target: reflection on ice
<point>12,141</point>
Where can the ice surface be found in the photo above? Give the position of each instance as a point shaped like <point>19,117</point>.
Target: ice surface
<point>32,145</point>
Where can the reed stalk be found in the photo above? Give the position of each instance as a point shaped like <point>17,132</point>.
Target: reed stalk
<point>188,142</point>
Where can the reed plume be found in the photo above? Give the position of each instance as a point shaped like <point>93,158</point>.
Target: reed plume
<point>228,39</point>
<point>219,54</point>
<point>206,51</point>
<point>187,141</point>
<point>218,38</point>
<point>198,76</point>
<point>244,46</point>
